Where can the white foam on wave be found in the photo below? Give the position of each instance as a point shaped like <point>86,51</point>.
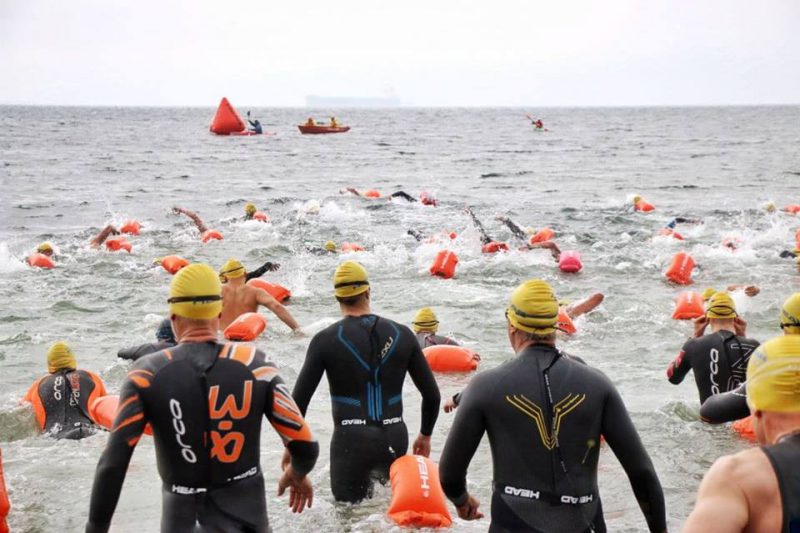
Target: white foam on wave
<point>9,262</point>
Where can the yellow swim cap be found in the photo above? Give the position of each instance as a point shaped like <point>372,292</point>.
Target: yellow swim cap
<point>533,308</point>
<point>232,269</point>
<point>330,246</point>
<point>721,306</point>
<point>530,231</point>
<point>790,314</point>
<point>425,320</point>
<point>773,376</point>
<point>60,357</point>
<point>636,198</point>
<point>708,293</point>
<point>249,209</point>
<point>769,207</point>
<point>44,247</point>
<point>195,292</point>
<point>350,279</point>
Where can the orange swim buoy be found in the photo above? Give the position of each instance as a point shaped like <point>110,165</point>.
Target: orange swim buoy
<point>688,306</point>
<point>453,235</point>
<point>570,262</point>
<point>680,271</point>
<point>543,235</point>
<point>792,208</point>
<point>279,292</point>
<point>565,322</point>
<point>417,496</point>
<point>173,263</point>
<point>226,120</point>
<point>449,358</point>
<point>494,247</point>
<point>427,199</point>
<point>744,427</point>
<point>131,227</point>
<point>444,265</point>
<point>372,193</point>
<point>246,328</point>
<point>211,234</point>
<point>5,505</point>
<point>103,411</point>
<point>643,206</point>
<point>667,232</point>
<point>351,247</point>
<point>115,244</point>
<point>260,216</point>
<point>40,261</point>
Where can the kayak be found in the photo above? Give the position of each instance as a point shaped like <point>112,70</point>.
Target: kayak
<point>322,129</point>
<point>246,133</point>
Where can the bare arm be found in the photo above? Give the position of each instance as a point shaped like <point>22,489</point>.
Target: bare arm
<point>584,306</point>
<point>103,235</point>
<point>720,501</point>
<point>277,308</point>
<point>201,227</point>
<point>749,290</point>
<point>555,251</point>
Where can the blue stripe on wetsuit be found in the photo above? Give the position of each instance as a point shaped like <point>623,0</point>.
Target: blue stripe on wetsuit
<point>347,400</point>
<point>395,399</point>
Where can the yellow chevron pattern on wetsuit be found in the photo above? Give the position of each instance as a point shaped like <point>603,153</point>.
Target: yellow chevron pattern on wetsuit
<point>560,410</point>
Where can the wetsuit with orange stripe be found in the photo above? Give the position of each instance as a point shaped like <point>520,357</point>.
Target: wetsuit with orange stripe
<point>205,402</point>
<point>61,402</point>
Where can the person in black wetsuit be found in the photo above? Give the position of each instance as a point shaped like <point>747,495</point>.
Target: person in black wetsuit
<point>255,124</point>
<point>165,338</point>
<point>759,489</point>
<point>520,234</point>
<point>62,398</point>
<point>544,413</point>
<point>426,324</point>
<point>366,358</point>
<point>719,359</point>
<point>205,402</point>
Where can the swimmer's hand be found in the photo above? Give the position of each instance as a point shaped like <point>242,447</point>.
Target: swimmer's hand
<point>450,405</point>
<point>751,290</point>
<point>469,509</point>
<point>298,332</point>
<point>422,445</point>
<point>272,267</point>
<point>301,492</point>
<point>739,326</point>
<point>700,326</point>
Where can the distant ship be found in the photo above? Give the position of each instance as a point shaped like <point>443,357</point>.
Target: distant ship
<point>351,101</point>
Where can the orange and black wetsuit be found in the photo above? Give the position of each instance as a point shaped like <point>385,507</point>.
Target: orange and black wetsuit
<point>61,402</point>
<point>205,402</point>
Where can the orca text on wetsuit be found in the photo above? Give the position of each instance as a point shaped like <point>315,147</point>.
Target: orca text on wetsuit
<point>204,401</point>
<point>61,402</point>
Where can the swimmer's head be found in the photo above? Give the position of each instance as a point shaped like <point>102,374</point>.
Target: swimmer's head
<point>45,248</point>
<point>164,331</point>
<point>330,246</point>
<point>790,315</point>
<point>636,199</point>
<point>350,279</point>
<point>425,320</point>
<point>195,292</point>
<point>721,307</point>
<point>60,357</point>
<point>232,269</point>
<point>769,207</point>
<point>534,308</point>
<point>249,209</point>
<point>773,376</point>
<point>530,231</point>
<point>708,293</point>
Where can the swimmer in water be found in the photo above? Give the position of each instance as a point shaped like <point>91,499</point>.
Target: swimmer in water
<point>544,413</point>
<point>524,237</point>
<point>425,197</point>
<point>101,237</point>
<point>425,325</point>
<point>255,125</point>
<point>61,399</point>
<point>198,222</point>
<point>732,405</point>
<point>46,249</point>
<point>165,338</point>
<point>366,358</point>
<point>205,402</point>
<point>718,359</point>
<point>758,489</point>
<point>328,248</point>
<point>249,211</point>
<point>239,298</point>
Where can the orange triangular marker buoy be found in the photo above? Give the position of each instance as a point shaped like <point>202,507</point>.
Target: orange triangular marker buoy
<point>227,120</point>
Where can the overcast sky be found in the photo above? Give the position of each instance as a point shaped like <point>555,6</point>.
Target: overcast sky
<point>428,52</point>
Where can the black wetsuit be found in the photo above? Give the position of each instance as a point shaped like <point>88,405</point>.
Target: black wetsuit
<point>404,195</point>
<point>61,402</point>
<point>546,480</point>
<point>726,406</point>
<point>427,338</point>
<point>256,126</point>
<point>269,266</point>
<point>785,459</point>
<point>366,359</point>
<point>516,230</point>
<point>718,361</point>
<point>205,402</point>
<point>136,352</point>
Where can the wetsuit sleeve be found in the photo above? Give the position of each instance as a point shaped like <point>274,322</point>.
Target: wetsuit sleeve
<point>404,195</point>
<point>462,441</point>
<point>284,415</point>
<point>269,266</point>
<point>681,366</point>
<point>621,435</point>
<point>128,427</point>
<point>423,378</point>
<point>310,375</point>
<point>134,352</point>
<point>725,407</point>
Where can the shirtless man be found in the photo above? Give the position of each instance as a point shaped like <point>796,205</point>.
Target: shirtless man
<point>239,298</point>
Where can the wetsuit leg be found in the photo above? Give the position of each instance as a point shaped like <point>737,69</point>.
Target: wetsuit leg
<point>505,520</point>
<point>178,512</point>
<point>240,506</point>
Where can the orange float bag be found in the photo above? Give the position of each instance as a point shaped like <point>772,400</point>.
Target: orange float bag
<point>427,199</point>
<point>40,261</point>
<point>688,306</point>
<point>103,411</point>
<point>5,505</point>
<point>744,428</point>
<point>792,208</point>
<point>279,292</point>
<point>667,232</point>
<point>565,323</point>
<point>372,193</point>
<point>417,496</point>
<point>643,206</point>
<point>211,234</point>
<point>494,247</point>
<point>115,244</point>
<point>680,271</point>
<point>226,120</point>
<point>351,247</point>
<point>246,328</point>
<point>131,227</point>
<point>449,358</point>
<point>260,216</point>
<point>570,261</point>
<point>543,235</point>
<point>444,265</point>
<point>173,263</point>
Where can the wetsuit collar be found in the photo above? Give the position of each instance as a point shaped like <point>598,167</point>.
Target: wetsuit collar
<point>545,353</point>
